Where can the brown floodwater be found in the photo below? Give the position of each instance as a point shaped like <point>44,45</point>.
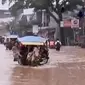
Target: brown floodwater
<point>66,67</point>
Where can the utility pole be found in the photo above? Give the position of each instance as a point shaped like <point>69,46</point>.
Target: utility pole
<point>83,17</point>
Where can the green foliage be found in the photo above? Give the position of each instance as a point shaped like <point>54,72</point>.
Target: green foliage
<point>10,1</point>
<point>50,6</point>
<point>45,4</point>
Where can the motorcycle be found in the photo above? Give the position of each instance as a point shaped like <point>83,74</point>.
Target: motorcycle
<point>58,45</point>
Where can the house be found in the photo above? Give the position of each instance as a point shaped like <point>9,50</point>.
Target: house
<point>21,24</point>
<point>45,22</point>
<point>5,18</point>
<point>5,14</point>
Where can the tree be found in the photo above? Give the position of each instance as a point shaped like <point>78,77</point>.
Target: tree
<point>56,6</point>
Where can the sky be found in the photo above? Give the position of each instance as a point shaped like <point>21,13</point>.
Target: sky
<point>5,6</point>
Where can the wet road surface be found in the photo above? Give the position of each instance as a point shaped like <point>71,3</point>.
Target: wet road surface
<point>66,67</point>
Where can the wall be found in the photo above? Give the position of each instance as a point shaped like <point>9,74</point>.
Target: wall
<point>53,24</point>
<point>4,15</point>
<point>3,30</point>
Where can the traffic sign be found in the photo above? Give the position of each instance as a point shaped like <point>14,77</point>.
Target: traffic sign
<point>75,23</point>
<point>67,23</point>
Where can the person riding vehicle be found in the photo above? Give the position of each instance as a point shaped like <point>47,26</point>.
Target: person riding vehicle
<point>7,44</point>
<point>58,45</point>
<point>23,55</point>
<point>11,40</point>
<point>15,50</point>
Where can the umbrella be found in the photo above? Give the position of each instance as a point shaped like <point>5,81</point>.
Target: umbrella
<point>32,40</point>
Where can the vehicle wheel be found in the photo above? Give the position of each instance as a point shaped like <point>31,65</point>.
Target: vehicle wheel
<point>57,49</point>
<point>15,59</point>
<point>19,61</point>
<point>44,61</point>
<point>23,62</point>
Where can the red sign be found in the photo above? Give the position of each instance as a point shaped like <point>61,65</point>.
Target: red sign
<point>74,23</point>
<point>67,23</point>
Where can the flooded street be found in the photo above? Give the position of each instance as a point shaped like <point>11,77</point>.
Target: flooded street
<point>66,67</point>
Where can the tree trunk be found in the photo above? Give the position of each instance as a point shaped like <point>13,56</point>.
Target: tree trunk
<point>62,38</point>
<point>57,34</point>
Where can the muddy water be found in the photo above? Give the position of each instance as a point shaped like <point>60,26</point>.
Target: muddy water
<point>62,72</point>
